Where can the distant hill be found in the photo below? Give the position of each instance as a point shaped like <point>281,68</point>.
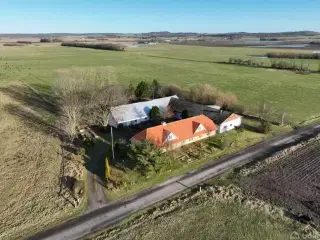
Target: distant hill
<point>169,34</point>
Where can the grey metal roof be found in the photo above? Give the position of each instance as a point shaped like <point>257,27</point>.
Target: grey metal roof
<point>139,110</point>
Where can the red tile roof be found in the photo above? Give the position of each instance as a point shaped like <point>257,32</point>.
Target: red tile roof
<point>183,130</point>
<point>233,116</point>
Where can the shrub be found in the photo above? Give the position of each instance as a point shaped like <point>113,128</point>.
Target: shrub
<point>101,46</point>
<point>13,44</point>
<point>148,158</point>
<point>237,108</point>
<point>293,55</point>
<point>265,126</point>
<point>205,94</point>
<point>240,129</point>
<point>154,112</point>
<point>170,90</point>
<point>155,88</point>
<point>130,91</point>
<point>24,42</point>
<point>185,114</point>
<point>45,40</point>
<point>142,90</point>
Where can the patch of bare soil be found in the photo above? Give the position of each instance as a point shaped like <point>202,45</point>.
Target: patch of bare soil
<point>293,182</point>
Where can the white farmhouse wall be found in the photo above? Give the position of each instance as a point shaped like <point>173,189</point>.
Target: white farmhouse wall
<point>112,122</point>
<point>227,126</point>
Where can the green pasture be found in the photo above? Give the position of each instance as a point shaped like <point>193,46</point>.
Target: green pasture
<point>297,95</point>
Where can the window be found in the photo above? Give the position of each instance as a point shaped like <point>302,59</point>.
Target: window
<point>230,125</point>
<point>169,137</point>
<point>183,141</point>
<point>190,139</point>
<point>135,121</point>
<point>146,118</point>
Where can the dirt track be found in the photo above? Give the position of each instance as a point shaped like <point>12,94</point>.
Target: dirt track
<point>292,182</point>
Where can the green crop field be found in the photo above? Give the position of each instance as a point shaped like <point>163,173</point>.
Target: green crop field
<point>297,95</point>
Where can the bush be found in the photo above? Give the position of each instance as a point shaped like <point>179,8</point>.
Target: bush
<point>24,42</point>
<point>45,40</point>
<point>237,109</point>
<point>170,90</point>
<point>293,55</point>
<point>154,112</point>
<point>142,90</point>
<point>265,126</point>
<point>185,114</point>
<point>148,158</point>
<point>13,44</point>
<point>240,129</point>
<point>155,87</point>
<point>130,91</point>
<point>101,46</point>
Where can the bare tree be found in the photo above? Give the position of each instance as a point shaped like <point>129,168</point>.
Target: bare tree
<point>86,96</point>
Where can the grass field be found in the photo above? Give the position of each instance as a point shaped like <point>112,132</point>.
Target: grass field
<point>289,92</point>
<point>210,220</point>
<point>29,171</point>
<point>29,158</point>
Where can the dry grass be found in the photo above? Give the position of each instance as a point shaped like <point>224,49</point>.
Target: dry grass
<point>29,173</point>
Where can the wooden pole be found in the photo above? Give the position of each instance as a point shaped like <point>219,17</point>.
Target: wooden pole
<point>112,143</point>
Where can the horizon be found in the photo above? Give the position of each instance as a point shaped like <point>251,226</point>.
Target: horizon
<point>136,33</point>
<point>203,16</point>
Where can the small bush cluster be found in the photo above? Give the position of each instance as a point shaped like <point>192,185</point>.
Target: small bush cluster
<point>101,46</point>
<point>292,55</point>
<point>12,44</point>
<point>148,158</point>
<point>50,40</point>
<point>209,94</point>
<point>280,64</point>
<point>249,62</point>
<point>24,42</point>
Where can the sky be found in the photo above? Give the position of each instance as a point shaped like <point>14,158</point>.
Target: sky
<point>135,16</point>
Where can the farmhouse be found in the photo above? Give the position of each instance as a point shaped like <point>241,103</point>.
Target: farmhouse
<point>135,113</point>
<point>179,133</point>
<point>225,120</point>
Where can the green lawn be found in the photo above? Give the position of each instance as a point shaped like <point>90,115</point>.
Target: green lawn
<point>290,92</point>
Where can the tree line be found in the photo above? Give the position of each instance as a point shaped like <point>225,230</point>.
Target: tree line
<point>199,93</point>
<point>101,46</point>
<point>292,55</point>
<point>298,66</point>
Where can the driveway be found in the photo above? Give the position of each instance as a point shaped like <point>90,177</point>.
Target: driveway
<point>113,213</point>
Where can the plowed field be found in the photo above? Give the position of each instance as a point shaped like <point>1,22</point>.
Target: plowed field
<point>293,182</point>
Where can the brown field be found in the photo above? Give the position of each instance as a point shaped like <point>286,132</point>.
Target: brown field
<point>30,164</point>
<point>293,182</point>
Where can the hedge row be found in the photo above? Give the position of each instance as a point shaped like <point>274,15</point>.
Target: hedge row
<point>249,62</point>
<point>102,46</point>
<point>50,40</point>
<point>13,44</point>
<point>24,42</point>
<point>294,55</point>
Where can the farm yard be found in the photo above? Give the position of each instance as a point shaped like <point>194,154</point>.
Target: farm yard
<point>291,182</point>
